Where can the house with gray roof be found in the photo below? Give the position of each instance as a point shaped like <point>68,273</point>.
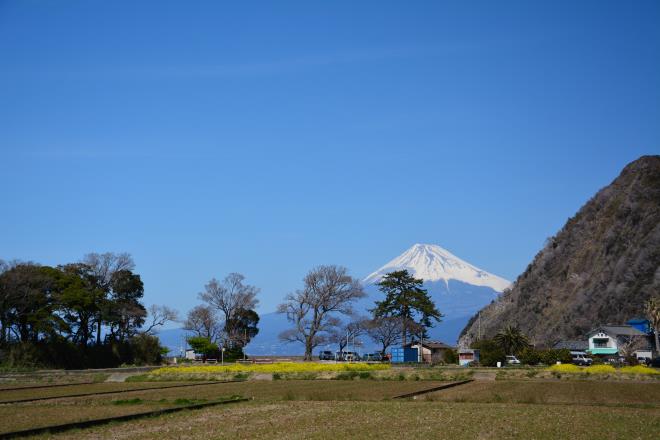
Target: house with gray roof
<point>610,339</point>
<point>572,345</point>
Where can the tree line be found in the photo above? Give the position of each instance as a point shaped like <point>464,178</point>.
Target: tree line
<point>83,314</point>
<point>329,294</point>
<point>227,320</point>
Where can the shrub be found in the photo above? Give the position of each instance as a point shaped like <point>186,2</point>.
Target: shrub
<point>632,360</point>
<point>204,346</point>
<point>490,352</point>
<point>451,357</point>
<point>552,356</point>
<point>23,355</point>
<point>529,356</point>
<point>146,350</point>
<point>233,354</point>
<point>597,360</point>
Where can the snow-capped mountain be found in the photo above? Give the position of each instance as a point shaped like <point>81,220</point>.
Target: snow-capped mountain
<point>458,288</point>
<point>433,263</point>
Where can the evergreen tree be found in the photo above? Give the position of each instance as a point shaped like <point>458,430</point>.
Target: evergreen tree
<point>244,326</point>
<point>406,299</point>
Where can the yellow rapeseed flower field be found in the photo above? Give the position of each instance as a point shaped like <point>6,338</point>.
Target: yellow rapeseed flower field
<point>279,367</point>
<point>565,368</point>
<point>602,369</point>
<point>639,369</point>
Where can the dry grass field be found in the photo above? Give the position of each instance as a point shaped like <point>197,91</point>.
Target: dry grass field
<point>63,410</point>
<point>25,392</point>
<point>356,409</point>
<point>387,420</point>
<point>553,392</point>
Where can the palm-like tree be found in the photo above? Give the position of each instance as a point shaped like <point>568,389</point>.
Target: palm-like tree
<point>511,339</point>
<point>653,314</point>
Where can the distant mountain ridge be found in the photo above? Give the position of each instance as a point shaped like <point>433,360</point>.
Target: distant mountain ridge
<point>600,267</point>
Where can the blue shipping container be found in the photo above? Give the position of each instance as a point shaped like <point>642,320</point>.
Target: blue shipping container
<point>400,355</point>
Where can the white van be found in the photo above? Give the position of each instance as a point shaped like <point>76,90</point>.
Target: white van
<point>581,358</point>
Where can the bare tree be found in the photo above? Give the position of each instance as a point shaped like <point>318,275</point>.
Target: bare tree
<point>627,346</point>
<point>652,309</point>
<point>159,316</point>
<point>103,267</point>
<point>230,297</point>
<point>349,333</point>
<point>385,331</point>
<point>327,292</point>
<point>204,322</point>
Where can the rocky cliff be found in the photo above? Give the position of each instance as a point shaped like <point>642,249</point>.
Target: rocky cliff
<point>600,268</point>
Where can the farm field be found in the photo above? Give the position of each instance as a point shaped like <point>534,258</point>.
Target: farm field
<point>25,392</point>
<point>63,409</point>
<point>553,392</point>
<point>388,420</point>
<point>355,408</point>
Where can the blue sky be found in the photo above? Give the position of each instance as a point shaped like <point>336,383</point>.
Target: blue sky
<point>270,137</point>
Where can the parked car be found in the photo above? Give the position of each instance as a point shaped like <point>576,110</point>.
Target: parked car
<point>644,360</point>
<point>512,360</point>
<point>326,355</point>
<point>616,361</point>
<point>349,356</point>
<point>376,357</point>
<point>581,358</point>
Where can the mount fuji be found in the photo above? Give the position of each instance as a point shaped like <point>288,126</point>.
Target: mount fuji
<point>458,288</point>
<point>432,263</point>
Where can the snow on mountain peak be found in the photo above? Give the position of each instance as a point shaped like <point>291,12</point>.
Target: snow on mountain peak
<point>433,263</point>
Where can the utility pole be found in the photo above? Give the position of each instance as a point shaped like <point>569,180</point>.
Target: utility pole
<point>421,347</point>
<point>354,348</point>
<point>479,339</point>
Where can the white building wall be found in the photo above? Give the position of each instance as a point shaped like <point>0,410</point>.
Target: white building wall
<point>611,342</point>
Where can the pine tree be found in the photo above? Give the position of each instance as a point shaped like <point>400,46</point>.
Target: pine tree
<point>406,299</point>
